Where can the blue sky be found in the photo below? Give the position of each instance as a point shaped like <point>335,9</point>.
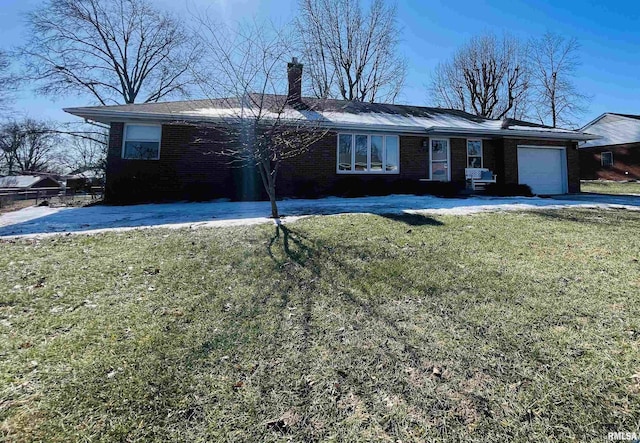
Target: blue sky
<point>609,34</point>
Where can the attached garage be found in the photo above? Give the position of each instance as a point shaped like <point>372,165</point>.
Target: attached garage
<point>543,168</point>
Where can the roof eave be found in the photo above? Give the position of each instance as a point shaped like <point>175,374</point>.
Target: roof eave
<point>106,116</point>
<point>514,133</point>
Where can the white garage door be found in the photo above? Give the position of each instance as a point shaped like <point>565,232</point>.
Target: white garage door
<point>543,169</point>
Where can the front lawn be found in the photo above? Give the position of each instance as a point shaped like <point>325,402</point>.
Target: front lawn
<point>491,327</point>
<point>610,187</point>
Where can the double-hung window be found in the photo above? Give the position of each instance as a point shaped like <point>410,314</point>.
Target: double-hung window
<point>606,158</point>
<point>474,153</point>
<point>368,153</point>
<point>141,142</point>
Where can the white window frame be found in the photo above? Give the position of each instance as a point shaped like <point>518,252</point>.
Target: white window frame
<point>602,159</point>
<point>353,153</point>
<point>124,141</point>
<point>481,151</point>
<point>448,140</point>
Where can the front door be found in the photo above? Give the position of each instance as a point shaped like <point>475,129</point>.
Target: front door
<point>439,159</point>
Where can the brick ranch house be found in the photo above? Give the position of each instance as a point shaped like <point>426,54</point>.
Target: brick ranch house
<point>616,154</point>
<point>156,150</point>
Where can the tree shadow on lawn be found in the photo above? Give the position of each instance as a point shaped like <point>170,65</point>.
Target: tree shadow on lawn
<point>401,349</point>
<point>293,246</point>
<point>413,219</point>
<point>428,376</point>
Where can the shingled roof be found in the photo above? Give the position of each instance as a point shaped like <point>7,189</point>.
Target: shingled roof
<point>24,181</point>
<point>335,114</point>
<point>613,129</point>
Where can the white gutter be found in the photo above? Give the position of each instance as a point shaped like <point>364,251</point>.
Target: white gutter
<point>565,135</point>
<point>107,116</point>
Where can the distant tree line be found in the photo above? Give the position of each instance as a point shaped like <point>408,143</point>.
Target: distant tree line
<point>27,146</point>
<point>35,146</point>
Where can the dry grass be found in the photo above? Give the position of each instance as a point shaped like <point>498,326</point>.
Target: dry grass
<point>494,327</point>
<point>610,187</point>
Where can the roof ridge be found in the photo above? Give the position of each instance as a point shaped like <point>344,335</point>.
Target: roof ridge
<point>309,98</point>
<point>633,116</point>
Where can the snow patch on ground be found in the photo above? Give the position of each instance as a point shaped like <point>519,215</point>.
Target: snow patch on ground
<point>27,214</point>
<point>42,221</point>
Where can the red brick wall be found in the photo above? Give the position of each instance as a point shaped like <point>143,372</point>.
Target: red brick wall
<point>573,164</point>
<point>458,157</point>
<point>414,158</point>
<point>626,163</point>
<point>189,167</point>
<point>317,167</point>
<point>489,154</point>
<point>186,168</point>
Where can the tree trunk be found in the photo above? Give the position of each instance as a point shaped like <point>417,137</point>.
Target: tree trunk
<point>271,190</point>
<point>268,180</point>
<point>274,206</point>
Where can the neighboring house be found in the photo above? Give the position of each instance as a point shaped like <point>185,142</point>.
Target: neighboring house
<point>27,182</point>
<point>616,154</point>
<point>85,180</point>
<point>163,151</point>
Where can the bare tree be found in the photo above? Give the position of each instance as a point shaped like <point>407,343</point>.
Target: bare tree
<point>8,81</point>
<point>117,51</point>
<point>554,60</point>
<point>488,77</point>
<point>351,54</point>
<point>28,146</point>
<point>84,153</point>
<point>257,126</point>
<point>11,138</point>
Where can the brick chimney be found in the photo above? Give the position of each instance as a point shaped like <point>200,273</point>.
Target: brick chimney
<point>294,73</point>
